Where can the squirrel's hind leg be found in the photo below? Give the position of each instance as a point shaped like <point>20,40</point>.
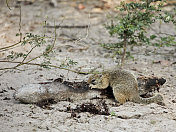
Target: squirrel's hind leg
<point>120,96</point>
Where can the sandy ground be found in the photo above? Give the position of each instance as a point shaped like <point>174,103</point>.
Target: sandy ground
<point>129,117</point>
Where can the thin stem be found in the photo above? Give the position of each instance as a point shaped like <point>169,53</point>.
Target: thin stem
<point>7,3</point>
<point>25,57</point>
<point>37,64</point>
<point>20,25</point>
<point>28,62</point>
<point>48,51</point>
<point>8,47</point>
<point>124,51</point>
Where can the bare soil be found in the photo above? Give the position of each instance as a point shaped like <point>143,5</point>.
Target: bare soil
<point>83,46</point>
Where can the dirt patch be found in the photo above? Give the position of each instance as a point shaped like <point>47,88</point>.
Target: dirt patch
<point>150,84</point>
<point>83,46</point>
<point>97,109</point>
<point>45,104</point>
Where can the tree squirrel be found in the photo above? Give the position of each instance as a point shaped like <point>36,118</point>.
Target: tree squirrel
<point>124,86</point>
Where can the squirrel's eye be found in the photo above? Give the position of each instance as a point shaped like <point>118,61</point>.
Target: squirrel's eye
<point>93,81</point>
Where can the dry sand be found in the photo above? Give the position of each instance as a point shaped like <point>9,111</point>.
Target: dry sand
<point>129,117</point>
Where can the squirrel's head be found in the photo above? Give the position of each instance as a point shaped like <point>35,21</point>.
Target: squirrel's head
<point>94,79</point>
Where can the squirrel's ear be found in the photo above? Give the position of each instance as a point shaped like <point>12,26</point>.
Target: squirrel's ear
<point>90,79</point>
<point>107,74</point>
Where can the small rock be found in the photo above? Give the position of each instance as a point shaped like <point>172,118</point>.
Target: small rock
<point>6,98</point>
<point>53,3</point>
<point>173,101</point>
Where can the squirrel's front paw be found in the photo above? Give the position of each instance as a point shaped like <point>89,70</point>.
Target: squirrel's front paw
<point>92,86</point>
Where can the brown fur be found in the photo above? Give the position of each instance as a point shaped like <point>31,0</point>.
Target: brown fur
<point>124,85</point>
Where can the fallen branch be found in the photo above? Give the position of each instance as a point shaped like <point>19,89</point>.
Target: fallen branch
<point>59,90</point>
<point>66,26</point>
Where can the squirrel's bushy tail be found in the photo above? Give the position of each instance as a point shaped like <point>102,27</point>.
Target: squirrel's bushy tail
<point>155,99</point>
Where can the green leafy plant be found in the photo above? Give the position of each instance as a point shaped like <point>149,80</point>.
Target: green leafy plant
<point>112,113</point>
<point>34,41</point>
<point>68,63</point>
<point>131,27</point>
